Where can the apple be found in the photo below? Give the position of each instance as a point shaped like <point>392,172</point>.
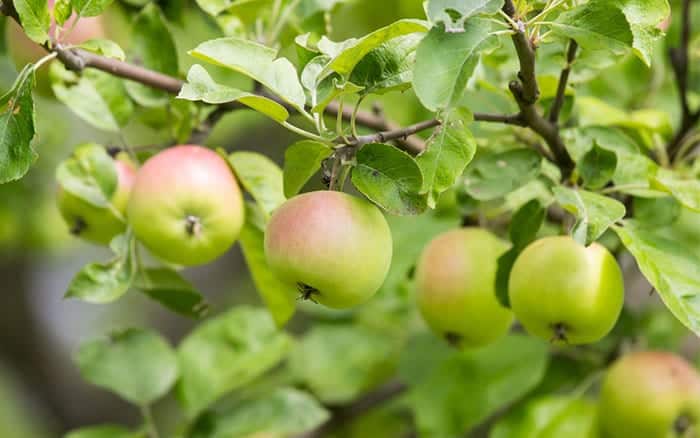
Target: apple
<point>565,292</point>
<point>334,247</point>
<point>650,395</point>
<point>96,224</point>
<point>186,206</point>
<point>455,287</point>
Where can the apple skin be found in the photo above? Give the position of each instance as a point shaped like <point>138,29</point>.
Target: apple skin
<point>95,224</point>
<point>186,206</point>
<point>455,287</point>
<point>566,293</point>
<point>334,247</point>
<point>647,395</point>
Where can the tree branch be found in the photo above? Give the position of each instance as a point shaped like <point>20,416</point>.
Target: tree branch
<point>526,55</point>
<point>563,80</point>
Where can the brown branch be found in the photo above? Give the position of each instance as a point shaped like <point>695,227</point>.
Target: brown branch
<point>343,414</point>
<point>563,80</point>
<point>526,55</point>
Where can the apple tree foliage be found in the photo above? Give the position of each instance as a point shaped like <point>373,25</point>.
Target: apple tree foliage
<point>536,118</point>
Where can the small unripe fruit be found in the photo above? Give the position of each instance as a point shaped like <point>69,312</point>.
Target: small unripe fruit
<point>334,247</point>
<point>186,206</point>
<point>96,224</point>
<point>650,395</point>
<point>565,292</point>
<point>455,287</point>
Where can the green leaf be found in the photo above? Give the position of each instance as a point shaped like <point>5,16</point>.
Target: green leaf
<point>449,150</point>
<point>550,417</point>
<point>686,191</point>
<point>171,290</point>
<point>451,391</point>
<point>453,13</point>
<point>597,167</point>
<point>352,51</point>
<point>656,212</point>
<point>90,8</point>
<point>152,46</point>
<point>35,18</point>
<point>340,362</point>
<point>324,89</point>
<point>445,61</point>
<point>390,178</point>
<point>17,128</point>
<point>257,62</point>
<point>96,97</point>
<point>524,226</point>
<point>105,282</point>
<point>138,365</point>
<point>201,87</point>
<point>594,213</point>
<point>279,297</point>
<point>104,431</point>
<point>260,177</point>
<point>62,11</point>
<point>670,267</point>
<point>615,25</point>
<point>495,175</point>
<point>301,161</point>
<point>90,174</point>
<point>596,112</point>
<point>104,47</point>
<point>283,412</point>
<point>226,353</point>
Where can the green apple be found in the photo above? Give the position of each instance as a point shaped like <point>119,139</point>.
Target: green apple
<point>564,292</point>
<point>96,224</point>
<point>334,247</point>
<point>455,287</point>
<point>650,395</point>
<point>186,206</point>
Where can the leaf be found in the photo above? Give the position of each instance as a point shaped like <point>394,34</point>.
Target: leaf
<point>670,267</point>
<point>105,282</point>
<point>323,90</point>
<point>524,226</point>
<point>104,47</point>
<point>17,128</point>
<point>340,362</point>
<point>444,63</point>
<point>174,292</point>
<point>62,11</point>
<point>594,213</point>
<point>390,178</point>
<point>686,191</point>
<point>301,161</point>
<point>451,391</point>
<point>279,297</point>
<point>597,167</point>
<point>96,97</point>
<point>260,177</point>
<point>656,212</point>
<point>90,174</point>
<point>225,353</point>
<point>90,8</point>
<point>35,18</point>
<point>596,112</point>
<point>550,416</point>
<point>104,431</point>
<point>453,13</point>
<point>138,365</point>
<point>257,62</point>
<point>200,86</point>
<point>153,47</point>
<point>283,412</point>
<point>449,150</point>
<point>345,60</point>
<point>495,175</point>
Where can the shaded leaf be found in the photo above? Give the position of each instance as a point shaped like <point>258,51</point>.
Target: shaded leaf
<point>453,13</point>
<point>171,290</point>
<point>597,167</point>
<point>17,128</point>
<point>260,177</point>
<point>90,174</point>
<point>301,161</point>
<point>495,175</point>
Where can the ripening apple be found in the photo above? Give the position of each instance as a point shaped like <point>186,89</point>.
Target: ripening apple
<point>455,286</point>
<point>97,224</point>
<point>186,206</point>
<point>334,247</point>
<point>565,292</point>
<point>650,395</point>
<point>23,51</point>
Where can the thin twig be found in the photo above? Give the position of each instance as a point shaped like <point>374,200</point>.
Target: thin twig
<point>563,80</point>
